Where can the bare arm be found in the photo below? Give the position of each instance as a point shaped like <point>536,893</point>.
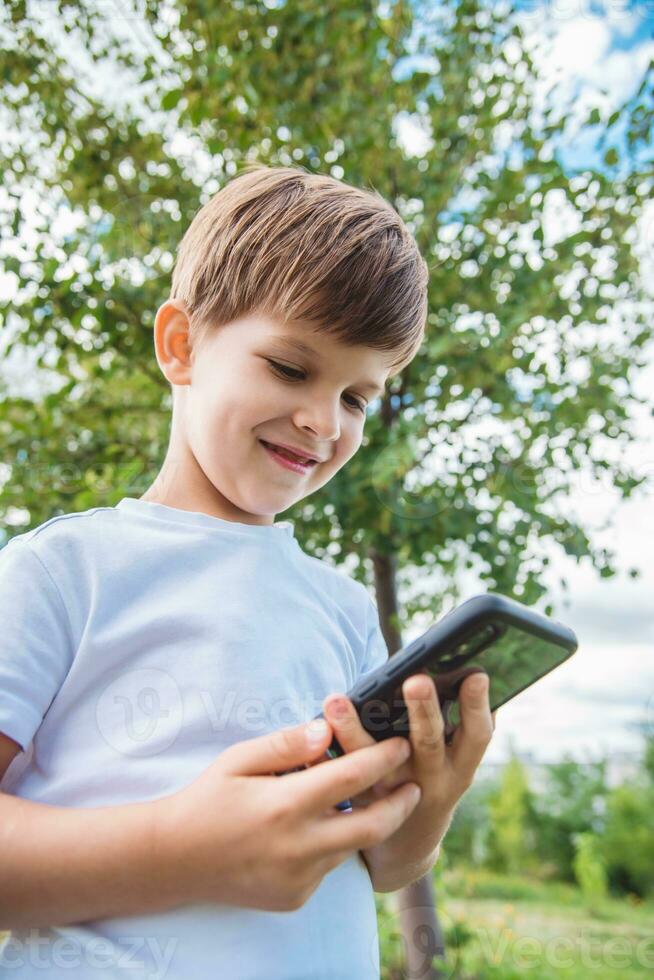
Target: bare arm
<point>62,865</point>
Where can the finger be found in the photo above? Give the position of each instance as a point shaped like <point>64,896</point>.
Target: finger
<point>403,774</point>
<point>344,719</point>
<point>475,730</point>
<point>426,724</point>
<point>324,786</point>
<point>278,751</point>
<point>372,825</point>
<point>351,735</point>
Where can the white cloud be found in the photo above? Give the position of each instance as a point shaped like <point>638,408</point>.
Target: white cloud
<point>578,47</point>
<point>587,707</point>
<point>577,54</point>
<point>560,217</point>
<point>413,133</point>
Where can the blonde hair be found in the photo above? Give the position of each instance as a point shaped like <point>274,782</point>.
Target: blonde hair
<point>308,247</point>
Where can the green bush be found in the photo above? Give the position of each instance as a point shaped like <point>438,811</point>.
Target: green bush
<point>466,839</point>
<point>511,843</point>
<point>590,870</point>
<point>572,803</point>
<point>482,883</point>
<point>628,839</point>
<point>575,829</point>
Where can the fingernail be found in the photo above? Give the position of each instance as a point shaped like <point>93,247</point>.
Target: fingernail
<point>479,684</point>
<point>405,749</point>
<point>316,731</point>
<point>338,708</point>
<point>414,793</point>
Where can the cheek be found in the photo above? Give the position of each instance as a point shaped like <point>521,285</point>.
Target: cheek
<point>356,437</point>
<point>348,447</point>
<point>223,401</point>
<point>212,424</point>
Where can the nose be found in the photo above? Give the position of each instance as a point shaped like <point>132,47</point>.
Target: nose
<point>321,416</point>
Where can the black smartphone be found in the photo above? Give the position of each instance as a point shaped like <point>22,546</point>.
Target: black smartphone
<point>513,644</point>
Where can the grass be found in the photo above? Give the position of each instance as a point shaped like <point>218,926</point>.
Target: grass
<point>502,927</point>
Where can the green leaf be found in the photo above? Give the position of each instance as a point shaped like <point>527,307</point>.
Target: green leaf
<point>170,99</point>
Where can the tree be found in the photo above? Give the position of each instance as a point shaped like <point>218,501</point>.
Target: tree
<point>571,804</point>
<point>521,381</point>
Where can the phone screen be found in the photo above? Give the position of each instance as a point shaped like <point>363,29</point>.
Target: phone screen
<point>512,658</point>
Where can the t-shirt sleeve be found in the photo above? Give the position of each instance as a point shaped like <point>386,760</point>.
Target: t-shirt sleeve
<point>376,652</point>
<point>35,641</point>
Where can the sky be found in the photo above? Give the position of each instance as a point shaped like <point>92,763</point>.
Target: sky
<point>589,706</point>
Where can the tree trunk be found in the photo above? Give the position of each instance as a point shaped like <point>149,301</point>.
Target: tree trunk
<point>422,934</point>
<point>421,931</point>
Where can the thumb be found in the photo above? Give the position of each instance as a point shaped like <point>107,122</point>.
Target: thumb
<point>278,750</point>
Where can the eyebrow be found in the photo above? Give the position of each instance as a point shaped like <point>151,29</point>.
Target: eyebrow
<point>303,348</point>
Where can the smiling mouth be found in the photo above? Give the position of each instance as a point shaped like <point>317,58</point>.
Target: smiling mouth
<point>303,461</point>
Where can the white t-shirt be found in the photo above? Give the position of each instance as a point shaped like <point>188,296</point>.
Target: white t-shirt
<point>137,643</point>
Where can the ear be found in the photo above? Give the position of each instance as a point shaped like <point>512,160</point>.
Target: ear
<point>171,341</point>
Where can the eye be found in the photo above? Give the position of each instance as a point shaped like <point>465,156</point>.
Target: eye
<point>292,375</point>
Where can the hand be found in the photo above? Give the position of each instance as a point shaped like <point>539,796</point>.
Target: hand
<point>241,835</point>
<point>443,772</point>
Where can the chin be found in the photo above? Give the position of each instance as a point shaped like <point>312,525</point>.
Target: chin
<point>265,509</point>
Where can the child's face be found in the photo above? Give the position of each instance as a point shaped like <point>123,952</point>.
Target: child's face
<point>229,396</point>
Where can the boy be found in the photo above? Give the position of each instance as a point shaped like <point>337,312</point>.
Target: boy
<point>161,660</point>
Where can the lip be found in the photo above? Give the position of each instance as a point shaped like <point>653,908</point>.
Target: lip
<point>296,449</point>
<point>287,463</point>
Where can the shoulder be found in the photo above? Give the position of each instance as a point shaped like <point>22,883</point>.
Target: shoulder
<point>336,581</point>
<point>58,540</point>
<point>72,523</point>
